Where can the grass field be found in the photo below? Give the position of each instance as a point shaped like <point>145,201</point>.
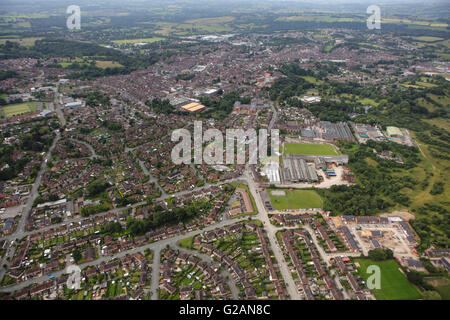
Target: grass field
<point>328,47</point>
<point>27,42</point>
<point>428,39</point>
<point>309,149</point>
<point>211,21</point>
<point>394,285</point>
<point>195,26</point>
<point>144,40</point>
<point>363,101</point>
<point>444,291</point>
<point>442,285</point>
<point>107,64</point>
<point>86,60</point>
<point>366,44</point>
<point>296,199</point>
<point>20,108</point>
<point>312,79</point>
<point>186,242</point>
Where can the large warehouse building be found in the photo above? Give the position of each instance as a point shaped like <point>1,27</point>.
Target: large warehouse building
<point>296,170</point>
<point>394,132</point>
<point>335,131</point>
<point>193,107</point>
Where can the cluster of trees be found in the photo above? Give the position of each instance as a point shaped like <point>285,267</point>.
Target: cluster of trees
<point>378,189</point>
<point>185,76</point>
<point>282,42</point>
<point>160,218</point>
<point>111,228</point>
<point>93,98</point>
<point>38,139</point>
<point>161,106</point>
<point>292,85</point>
<point>48,48</point>
<point>432,223</point>
<point>332,110</point>
<point>417,279</point>
<point>272,24</point>
<point>93,209</point>
<point>76,255</point>
<point>113,125</point>
<point>380,254</point>
<point>437,139</point>
<point>438,188</point>
<point>220,108</point>
<point>91,71</point>
<point>14,167</point>
<point>7,74</point>
<point>97,188</point>
<point>353,200</point>
<point>124,201</point>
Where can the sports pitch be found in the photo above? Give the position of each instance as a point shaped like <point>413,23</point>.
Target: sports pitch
<point>310,149</point>
<point>295,199</point>
<point>394,284</point>
<point>20,108</point>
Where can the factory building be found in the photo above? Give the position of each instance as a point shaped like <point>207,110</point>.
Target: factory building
<point>335,131</point>
<point>296,170</point>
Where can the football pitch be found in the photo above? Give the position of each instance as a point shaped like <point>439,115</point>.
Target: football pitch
<point>20,108</point>
<point>394,284</point>
<point>295,199</point>
<point>310,149</point>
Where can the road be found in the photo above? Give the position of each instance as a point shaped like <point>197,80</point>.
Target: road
<point>154,285</point>
<point>59,113</point>
<point>159,245</point>
<point>225,273</point>
<point>115,210</point>
<point>20,231</point>
<point>152,178</point>
<point>271,233</point>
<point>274,117</point>
<point>156,247</point>
<point>91,149</point>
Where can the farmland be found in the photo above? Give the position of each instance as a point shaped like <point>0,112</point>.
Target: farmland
<point>133,41</point>
<point>427,39</point>
<point>27,42</point>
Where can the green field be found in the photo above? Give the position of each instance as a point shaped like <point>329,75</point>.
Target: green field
<point>144,40</point>
<point>107,64</point>
<point>186,242</point>
<point>428,39</point>
<point>295,199</point>
<point>27,42</point>
<point>444,291</point>
<point>394,285</point>
<point>312,80</point>
<point>310,149</point>
<point>18,109</point>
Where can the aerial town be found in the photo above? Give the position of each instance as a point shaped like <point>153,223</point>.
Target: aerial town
<point>360,178</point>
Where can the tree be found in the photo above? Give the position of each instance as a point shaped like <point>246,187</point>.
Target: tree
<point>431,295</point>
<point>76,255</point>
<point>380,254</point>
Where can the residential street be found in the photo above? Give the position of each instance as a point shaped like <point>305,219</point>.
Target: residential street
<point>19,233</point>
<point>159,245</point>
<point>271,231</point>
